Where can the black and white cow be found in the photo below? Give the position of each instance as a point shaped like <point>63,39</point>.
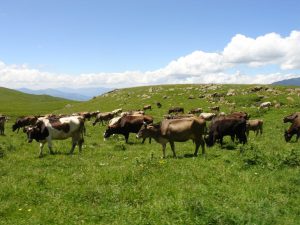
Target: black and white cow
<point>48,129</point>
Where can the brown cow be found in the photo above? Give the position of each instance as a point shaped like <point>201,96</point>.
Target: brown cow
<point>195,111</point>
<point>255,125</point>
<point>126,125</point>
<point>176,130</point>
<point>24,121</point>
<point>147,107</point>
<point>3,119</point>
<point>106,116</point>
<point>291,118</point>
<point>294,129</point>
<point>176,110</point>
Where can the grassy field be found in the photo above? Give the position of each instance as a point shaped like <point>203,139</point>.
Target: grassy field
<point>15,103</point>
<point>111,182</point>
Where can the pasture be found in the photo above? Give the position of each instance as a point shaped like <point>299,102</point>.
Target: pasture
<point>111,182</point>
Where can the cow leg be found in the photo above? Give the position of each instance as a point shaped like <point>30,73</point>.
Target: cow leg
<point>50,147</point>
<point>80,143</point>
<point>126,137</point>
<point>41,149</point>
<point>143,140</point>
<point>173,148</point>
<point>74,142</point>
<point>164,150</point>
<point>149,140</point>
<point>197,142</point>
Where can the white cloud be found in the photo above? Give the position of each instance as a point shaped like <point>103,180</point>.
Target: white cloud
<point>197,67</point>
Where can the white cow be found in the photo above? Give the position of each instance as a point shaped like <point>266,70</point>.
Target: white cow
<point>265,105</point>
<point>47,130</point>
<point>207,116</point>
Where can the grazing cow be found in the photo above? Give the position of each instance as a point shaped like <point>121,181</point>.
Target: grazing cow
<point>128,124</point>
<point>244,115</point>
<point>176,110</point>
<point>196,111</point>
<point>24,121</point>
<point>215,108</point>
<point>265,105</point>
<point>3,119</point>
<point>133,113</point>
<point>158,104</point>
<point>234,127</point>
<point>106,116</point>
<point>207,116</point>
<point>172,116</point>
<point>117,111</point>
<point>147,107</point>
<point>255,125</point>
<point>291,118</point>
<point>176,130</point>
<point>294,129</point>
<point>47,130</point>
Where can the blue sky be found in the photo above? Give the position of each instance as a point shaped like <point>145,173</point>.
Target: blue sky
<point>88,36</point>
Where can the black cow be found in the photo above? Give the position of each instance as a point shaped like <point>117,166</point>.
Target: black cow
<point>128,124</point>
<point>234,127</point>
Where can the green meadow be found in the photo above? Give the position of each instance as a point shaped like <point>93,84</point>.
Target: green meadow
<point>111,182</point>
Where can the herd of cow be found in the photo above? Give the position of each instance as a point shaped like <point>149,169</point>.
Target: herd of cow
<point>175,127</point>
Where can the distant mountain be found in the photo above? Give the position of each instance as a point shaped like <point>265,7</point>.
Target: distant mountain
<point>79,94</point>
<point>288,82</point>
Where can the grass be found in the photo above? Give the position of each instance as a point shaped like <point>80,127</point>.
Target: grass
<point>15,103</point>
<point>111,182</point>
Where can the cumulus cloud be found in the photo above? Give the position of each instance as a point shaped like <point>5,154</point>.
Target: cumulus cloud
<point>197,67</point>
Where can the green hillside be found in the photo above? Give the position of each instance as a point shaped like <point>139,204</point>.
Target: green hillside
<point>111,182</point>
<point>15,103</point>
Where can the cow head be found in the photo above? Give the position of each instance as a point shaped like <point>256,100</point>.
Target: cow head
<point>109,131</point>
<point>209,140</point>
<point>37,132</point>
<point>148,130</point>
<point>287,136</point>
<point>290,118</point>
<point>15,126</point>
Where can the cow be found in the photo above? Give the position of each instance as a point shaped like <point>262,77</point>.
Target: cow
<point>176,110</point>
<point>265,105</point>
<point>293,129</point>
<point>291,118</point>
<point>232,126</point>
<point>255,125</point>
<point>176,130</point>
<point>172,116</point>
<point>133,113</point>
<point>207,116</point>
<point>46,130</point>
<point>215,108</point>
<point>147,107</point>
<point>24,121</point>
<point>126,125</point>
<point>3,119</point>
<point>196,111</point>
<point>117,111</point>
<point>106,116</point>
<point>158,104</point>
<point>244,115</point>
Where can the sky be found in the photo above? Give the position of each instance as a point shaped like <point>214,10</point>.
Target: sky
<point>122,43</point>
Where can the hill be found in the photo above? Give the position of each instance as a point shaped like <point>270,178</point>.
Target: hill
<point>111,182</point>
<point>15,103</point>
<point>79,94</point>
<point>294,81</point>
